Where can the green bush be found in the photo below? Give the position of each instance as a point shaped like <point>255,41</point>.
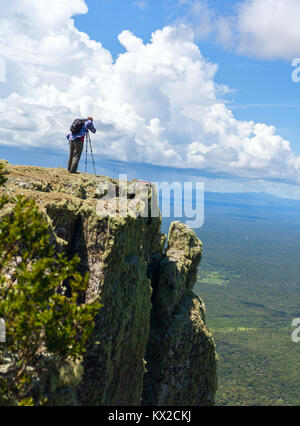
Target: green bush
<point>40,319</point>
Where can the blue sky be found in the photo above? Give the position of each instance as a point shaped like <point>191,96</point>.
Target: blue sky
<point>227,112</point>
<point>264,90</point>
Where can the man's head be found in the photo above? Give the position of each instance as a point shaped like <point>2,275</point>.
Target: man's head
<point>90,119</point>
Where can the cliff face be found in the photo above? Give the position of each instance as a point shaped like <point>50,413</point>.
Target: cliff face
<point>150,344</point>
<point>180,353</point>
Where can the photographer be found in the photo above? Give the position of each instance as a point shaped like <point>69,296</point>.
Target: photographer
<point>79,129</point>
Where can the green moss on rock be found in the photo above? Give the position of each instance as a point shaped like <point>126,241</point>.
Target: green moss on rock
<point>181,355</point>
<point>150,318</point>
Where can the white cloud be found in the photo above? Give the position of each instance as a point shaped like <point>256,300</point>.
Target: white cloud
<point>198,14</point>
<point>267,29</point>
<point>157,103</point>
<point>142,5</point>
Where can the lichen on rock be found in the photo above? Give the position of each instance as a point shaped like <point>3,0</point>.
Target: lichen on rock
<point>181,357</point>
<point>150,345</point>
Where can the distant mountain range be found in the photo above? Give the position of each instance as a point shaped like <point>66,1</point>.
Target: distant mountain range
<point>251,207</point>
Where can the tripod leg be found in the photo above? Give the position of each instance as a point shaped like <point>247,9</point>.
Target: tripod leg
<point>92,155</point>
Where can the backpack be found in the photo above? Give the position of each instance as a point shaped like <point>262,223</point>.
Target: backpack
<point>77,125</point>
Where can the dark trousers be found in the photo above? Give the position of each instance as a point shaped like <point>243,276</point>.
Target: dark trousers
<point>76,147</point>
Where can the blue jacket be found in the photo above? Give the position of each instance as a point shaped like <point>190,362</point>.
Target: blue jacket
<point>88,125</point>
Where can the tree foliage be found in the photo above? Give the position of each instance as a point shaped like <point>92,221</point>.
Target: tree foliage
<point>40,319</point>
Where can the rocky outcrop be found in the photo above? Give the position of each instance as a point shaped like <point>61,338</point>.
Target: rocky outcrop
<point>180,353</point>
<point>150,344</point>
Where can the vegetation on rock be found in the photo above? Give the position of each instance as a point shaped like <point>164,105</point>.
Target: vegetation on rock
<point>45,329</point>
<point>125,258</point>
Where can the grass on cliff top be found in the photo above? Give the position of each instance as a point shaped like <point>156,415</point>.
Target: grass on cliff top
<point>53,185</point>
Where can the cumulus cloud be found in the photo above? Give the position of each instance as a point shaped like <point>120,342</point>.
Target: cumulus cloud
<point>157,103</point>
<point>267,29</point>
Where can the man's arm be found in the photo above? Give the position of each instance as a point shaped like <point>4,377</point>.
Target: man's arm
<point>91,127</point>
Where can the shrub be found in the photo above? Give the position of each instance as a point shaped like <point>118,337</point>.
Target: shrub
<point>40,319</point>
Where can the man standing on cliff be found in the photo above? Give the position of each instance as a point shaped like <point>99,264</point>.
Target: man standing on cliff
<point>79,129</point>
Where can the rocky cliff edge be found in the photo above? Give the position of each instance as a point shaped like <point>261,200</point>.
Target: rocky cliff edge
<point>150,345</point>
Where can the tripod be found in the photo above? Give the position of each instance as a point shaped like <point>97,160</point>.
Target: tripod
<point>88,142</point>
